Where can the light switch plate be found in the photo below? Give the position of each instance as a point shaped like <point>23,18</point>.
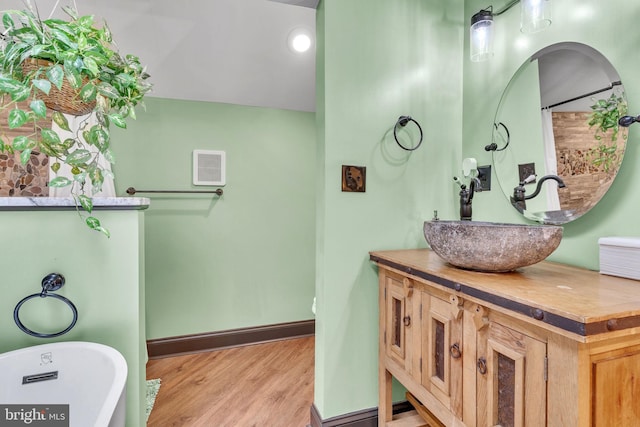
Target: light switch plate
<point>484,175</point>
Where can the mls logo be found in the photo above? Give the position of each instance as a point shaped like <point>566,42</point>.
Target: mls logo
<point>46,358</point>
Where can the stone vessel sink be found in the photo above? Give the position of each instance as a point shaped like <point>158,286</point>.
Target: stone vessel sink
<point>489,246</point>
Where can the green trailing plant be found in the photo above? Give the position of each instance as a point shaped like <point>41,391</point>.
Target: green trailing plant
<point>604,116</point>
<point>40,57</point>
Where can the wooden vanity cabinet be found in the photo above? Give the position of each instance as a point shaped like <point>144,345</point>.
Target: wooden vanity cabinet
<point>549,345</point>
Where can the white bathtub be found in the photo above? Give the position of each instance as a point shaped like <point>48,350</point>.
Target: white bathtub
<point>89,377</point>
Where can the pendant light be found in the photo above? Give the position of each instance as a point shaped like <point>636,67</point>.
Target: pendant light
<point>481,35</point>
<point>535,15</point>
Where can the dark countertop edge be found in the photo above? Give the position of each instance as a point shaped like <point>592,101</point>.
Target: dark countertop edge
<point>580,328</point>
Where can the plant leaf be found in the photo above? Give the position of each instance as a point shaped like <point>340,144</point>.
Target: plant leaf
<point>60,181</point>
<point>78,157</point>
<point>96,56</point>
<point>34,51</point>
<point>108,155</point>
<point>47,149</point>
<point>100,138</point>
<point>68,143</point>
<point>25,156</point>
<point>94,224</point>
<point>17,118</point>
<point>61,120</point>
<point>96,177</point>
<point>86,21</point>
<point>91,65</point>
<point>86,202</point>
<point>55,167</point>
<point>118,120</point>
<point>63,38</point>
<point>56,75</point>
<point>126,80</point>
<point>7,22</point>
<point>9,85</point>
<point>22,94</point>
<point>50,136</point>
<point>43,85</point>
<point>108,90</point>
<point>73,77</point>
<point>106,31</point>
<point>88,92</point>
<point>22,143</point>
<point>82,42</point>
<point>38,107</point>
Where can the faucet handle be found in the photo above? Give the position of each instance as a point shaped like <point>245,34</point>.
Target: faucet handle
<point>528,179</point>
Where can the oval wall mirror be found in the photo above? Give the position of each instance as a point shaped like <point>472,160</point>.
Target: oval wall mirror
<point>556,123</point>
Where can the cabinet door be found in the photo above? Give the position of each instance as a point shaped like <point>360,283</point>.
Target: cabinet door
<point>442,350</point>
<point>398,320</point>
<point>512,368</point>
<point>616,388</point>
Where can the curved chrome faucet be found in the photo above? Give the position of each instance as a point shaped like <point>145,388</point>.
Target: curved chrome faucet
<point>518,198</point>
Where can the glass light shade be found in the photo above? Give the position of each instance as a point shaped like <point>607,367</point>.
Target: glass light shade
<point>481,36</point>
<point>535,15</point>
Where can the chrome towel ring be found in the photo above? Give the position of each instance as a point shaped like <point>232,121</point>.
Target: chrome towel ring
<point>51,282</point>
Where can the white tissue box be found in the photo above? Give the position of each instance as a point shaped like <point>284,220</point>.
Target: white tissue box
<point>620,256</point>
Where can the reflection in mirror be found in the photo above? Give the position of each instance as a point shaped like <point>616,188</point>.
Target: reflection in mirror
<point>558,123</point>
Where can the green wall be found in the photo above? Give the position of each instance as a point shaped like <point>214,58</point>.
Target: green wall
<point>606,26</point>
<point>104,280</point>
<point>243,259</point>
<point>377,60</point>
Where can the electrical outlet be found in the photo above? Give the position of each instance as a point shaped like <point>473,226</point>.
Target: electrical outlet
<point>484,175</point>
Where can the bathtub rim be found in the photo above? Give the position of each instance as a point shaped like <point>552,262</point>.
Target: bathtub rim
<point>118,385</point>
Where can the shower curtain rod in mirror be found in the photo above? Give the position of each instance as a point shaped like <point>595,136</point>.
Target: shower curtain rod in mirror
<point>595,92</point>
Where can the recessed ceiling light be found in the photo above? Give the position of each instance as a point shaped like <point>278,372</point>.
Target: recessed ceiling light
<point>299,40</point>
<point>301,43</point>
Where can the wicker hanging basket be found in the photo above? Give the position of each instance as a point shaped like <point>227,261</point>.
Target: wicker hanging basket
<point>65,100</point>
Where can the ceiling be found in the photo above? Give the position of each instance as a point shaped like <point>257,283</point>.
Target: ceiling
<point>228,51</point>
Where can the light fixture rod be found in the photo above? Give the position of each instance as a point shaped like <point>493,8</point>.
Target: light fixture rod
<point>505,7</point>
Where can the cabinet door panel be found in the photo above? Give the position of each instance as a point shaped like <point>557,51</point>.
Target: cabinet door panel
<point>616,391</point>
<point>442,352</point>
<point>396,312</point>
<point>514,367</point>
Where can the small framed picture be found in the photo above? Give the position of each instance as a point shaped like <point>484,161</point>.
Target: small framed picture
<point>354,178</point>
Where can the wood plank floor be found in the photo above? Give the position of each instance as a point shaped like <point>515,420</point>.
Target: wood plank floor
<point>262,385</point>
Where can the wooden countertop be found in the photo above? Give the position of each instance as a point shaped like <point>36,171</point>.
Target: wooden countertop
<point>577,300</point>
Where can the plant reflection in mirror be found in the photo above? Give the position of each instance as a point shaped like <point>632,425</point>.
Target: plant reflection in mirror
<point>67,66</point>
<point>604,116</point>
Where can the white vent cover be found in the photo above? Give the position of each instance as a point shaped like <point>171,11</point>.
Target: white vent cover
<point>208,167</point>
